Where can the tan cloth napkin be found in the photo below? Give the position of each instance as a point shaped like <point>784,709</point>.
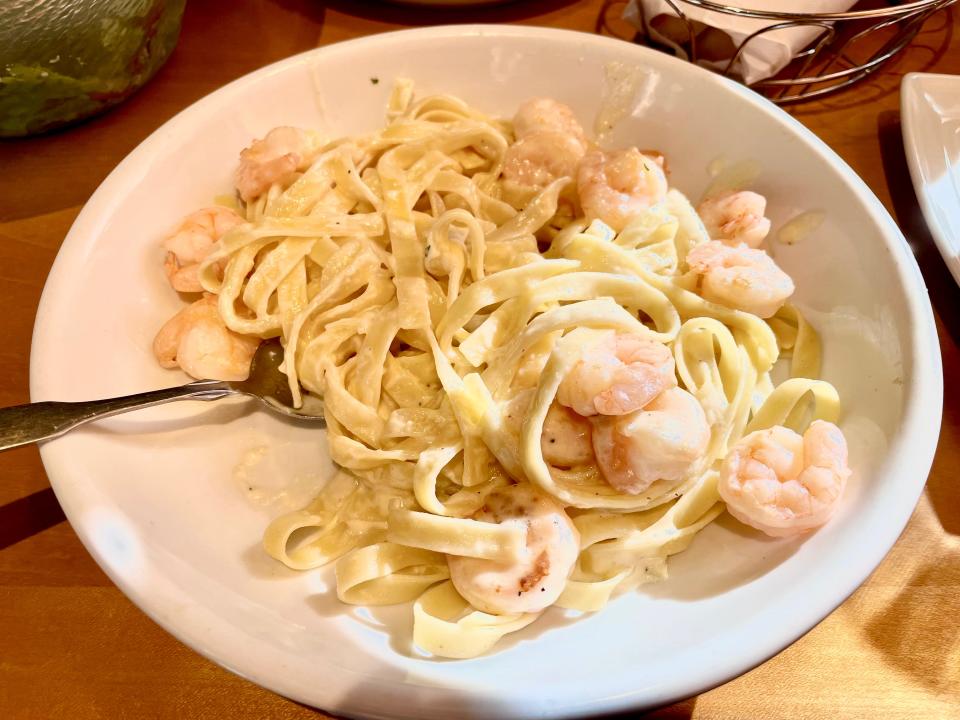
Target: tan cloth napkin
<point>719,34</point>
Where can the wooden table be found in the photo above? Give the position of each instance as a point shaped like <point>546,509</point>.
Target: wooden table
<point>72,646</point>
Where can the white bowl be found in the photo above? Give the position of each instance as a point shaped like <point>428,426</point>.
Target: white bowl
<point>158,501</point>
<point>930,109</point>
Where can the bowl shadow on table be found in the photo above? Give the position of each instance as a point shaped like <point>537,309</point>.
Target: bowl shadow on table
<point>27,516</point>
<point>402,13</point>
<point>683,710</point>
<point>943,289</point>
<point>929,652</point>
<point>360,694</point>
<point>944,494</point>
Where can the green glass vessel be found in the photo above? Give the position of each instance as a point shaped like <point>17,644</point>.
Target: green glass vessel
<point>64,60</point>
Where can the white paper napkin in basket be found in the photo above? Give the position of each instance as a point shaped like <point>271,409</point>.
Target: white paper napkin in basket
<point>764,56</point>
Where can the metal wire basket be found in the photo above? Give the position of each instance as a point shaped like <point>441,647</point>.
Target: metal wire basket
<point>847,47</point>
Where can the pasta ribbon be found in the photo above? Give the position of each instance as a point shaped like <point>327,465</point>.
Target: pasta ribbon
<point>387,574</point>
<point>445,625</point>
<point>717,370</point>
<point>797,336</point>
<point>455,536</point>
<point>793,400</point>
<point>316,535</point>
<point>590,596</point>
<point>668,534</point>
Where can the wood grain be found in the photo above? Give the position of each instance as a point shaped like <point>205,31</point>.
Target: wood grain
<point>72,646</point>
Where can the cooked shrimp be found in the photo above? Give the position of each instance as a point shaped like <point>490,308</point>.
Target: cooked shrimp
<point>661,442</point>
<point>616,186</point>
<point>740,277</point>
<point>275,158</point>
<point>192,241</point>
<point>620,374</point>
<point>565,440</point>
<point>540,158</point>
<point>197,340</point>
<point>540,115</point>
<point>534,581</point>
<point>735,217</point>
<point>784,484</point>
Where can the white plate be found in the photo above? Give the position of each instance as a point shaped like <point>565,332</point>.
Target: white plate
<point>155,498</point>
<point>930,112</point>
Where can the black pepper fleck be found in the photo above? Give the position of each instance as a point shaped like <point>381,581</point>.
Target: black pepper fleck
<point>374,81</point>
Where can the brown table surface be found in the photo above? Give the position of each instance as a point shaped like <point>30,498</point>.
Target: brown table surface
<point>72,646</point>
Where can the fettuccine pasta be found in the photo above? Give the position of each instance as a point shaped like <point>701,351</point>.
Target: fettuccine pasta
<point>537,360</point>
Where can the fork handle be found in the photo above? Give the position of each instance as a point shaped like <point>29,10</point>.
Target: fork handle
<point>23,424</point>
